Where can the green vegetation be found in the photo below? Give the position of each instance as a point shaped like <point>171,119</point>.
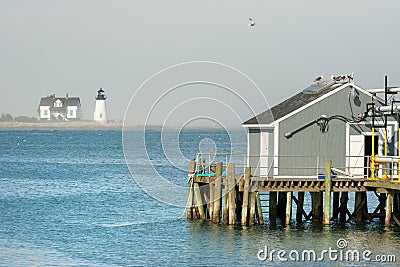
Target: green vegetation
<point>25,119</point>
<point>6,117</point>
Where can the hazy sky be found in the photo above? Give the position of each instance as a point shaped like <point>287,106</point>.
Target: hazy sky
<point>59,46</point>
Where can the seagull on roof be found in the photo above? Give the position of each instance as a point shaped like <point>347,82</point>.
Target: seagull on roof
<point>318,79</point>
<point>252,22</point>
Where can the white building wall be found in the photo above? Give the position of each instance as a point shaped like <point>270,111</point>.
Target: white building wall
<point>72,112</point>
<point>100,114</point>
<point>45,112</point>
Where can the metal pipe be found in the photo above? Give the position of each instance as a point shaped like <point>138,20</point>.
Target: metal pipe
<point>387,108</point>
<point>386,159</point>
<point>382,90</point>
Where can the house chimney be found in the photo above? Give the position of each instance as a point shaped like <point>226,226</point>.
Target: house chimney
<point>66,96</point>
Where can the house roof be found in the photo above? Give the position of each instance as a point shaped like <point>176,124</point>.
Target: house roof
<point>70,101</point>
<point>297,101</point>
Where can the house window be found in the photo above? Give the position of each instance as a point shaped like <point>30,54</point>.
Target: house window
<point>101,115</point>
<point>45,113</point>
<point>71,112</point>
<point>58,103</point>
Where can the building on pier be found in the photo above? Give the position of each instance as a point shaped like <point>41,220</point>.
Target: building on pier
<point>325,120</point>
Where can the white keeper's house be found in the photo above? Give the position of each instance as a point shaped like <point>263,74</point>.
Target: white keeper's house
<point>59,108</point>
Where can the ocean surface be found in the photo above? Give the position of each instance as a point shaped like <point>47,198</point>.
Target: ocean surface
<point>68,198</point>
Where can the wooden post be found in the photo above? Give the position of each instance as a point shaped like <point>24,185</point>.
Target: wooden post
<point>218,193</point>
<point>327,200</point>
<point>238,202</point>
<point>259,210</point>
<point>388,215</point>
<point>300,204</point>
<point>272,207</point>
<point>245,205</point>
<point>396,207</point>
<point>288,208</point>
<point>357,207</point>
<point>205,198</point>
<point>317,208</point>
<point>189,205</point>
<point>382,202</point>
<point>335,208</point>
<point>225,214</point>
<point>281,208</point>
<point>252,208</point>
<point>211,187</point>
<point>191,174</point>
<point>365,213</point>
<point>199,202</point>
<point>343,206</point>
<point>231,196</point>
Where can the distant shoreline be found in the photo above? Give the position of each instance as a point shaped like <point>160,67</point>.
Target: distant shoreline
<point>70,125</point>
<point>91,125</point>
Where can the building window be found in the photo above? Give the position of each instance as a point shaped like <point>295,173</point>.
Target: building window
<point>71,112</point>
<point>45,112</point>
<point>58,103</point>
<point>101,115</point>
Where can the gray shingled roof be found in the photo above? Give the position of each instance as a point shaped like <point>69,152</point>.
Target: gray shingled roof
<point>297,101</point>
<point>70,101</point>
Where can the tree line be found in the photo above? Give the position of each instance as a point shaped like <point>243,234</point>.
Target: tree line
<point>9,118</point>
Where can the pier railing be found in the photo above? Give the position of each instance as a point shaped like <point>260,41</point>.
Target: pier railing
<point>300,166</point>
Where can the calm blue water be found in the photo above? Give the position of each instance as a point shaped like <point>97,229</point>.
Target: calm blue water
<point>67,198</point>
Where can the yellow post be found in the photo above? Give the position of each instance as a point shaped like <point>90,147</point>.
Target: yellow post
<point>373,155</point>
<point>385,176</point>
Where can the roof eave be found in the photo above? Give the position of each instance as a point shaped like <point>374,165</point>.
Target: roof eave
<point>264,126</point>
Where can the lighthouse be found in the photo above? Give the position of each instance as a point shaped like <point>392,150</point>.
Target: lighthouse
<point>100,114</point>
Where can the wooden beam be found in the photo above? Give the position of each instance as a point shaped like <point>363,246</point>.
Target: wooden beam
<point>343,206</point>
<point>327,200</point>
<point>252,208</point>
<point>218,193</point>
<point>259,210</point>
<point>335,204</point>
<point>388,215</point>
<point>272,207</point>
<point>199,202</point>
<point>245,205</point>
<point>231,195</point>
<point>191,175</point>
<point>288,214</point>
<point>300,203</point>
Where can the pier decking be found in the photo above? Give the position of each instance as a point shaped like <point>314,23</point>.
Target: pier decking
<point>230,198</point>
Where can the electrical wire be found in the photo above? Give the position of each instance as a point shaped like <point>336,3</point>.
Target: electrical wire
<point>323,122</point>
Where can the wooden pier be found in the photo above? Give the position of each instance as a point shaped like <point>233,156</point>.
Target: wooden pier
<point>231,198</point>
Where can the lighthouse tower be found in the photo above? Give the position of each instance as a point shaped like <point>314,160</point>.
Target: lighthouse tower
<point>100,114</point>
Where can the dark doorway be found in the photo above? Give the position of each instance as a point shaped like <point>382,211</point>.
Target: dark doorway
<point>368,151</point>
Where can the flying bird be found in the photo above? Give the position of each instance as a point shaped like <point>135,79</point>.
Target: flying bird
<point>252,23</point>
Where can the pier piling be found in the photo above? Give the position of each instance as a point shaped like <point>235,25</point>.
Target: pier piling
<point>231,194</point>
<point>388,215</point>
<point>242,203</point>
<point>245,205</point>
<point>218,193</point>
<point>327,199</point>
